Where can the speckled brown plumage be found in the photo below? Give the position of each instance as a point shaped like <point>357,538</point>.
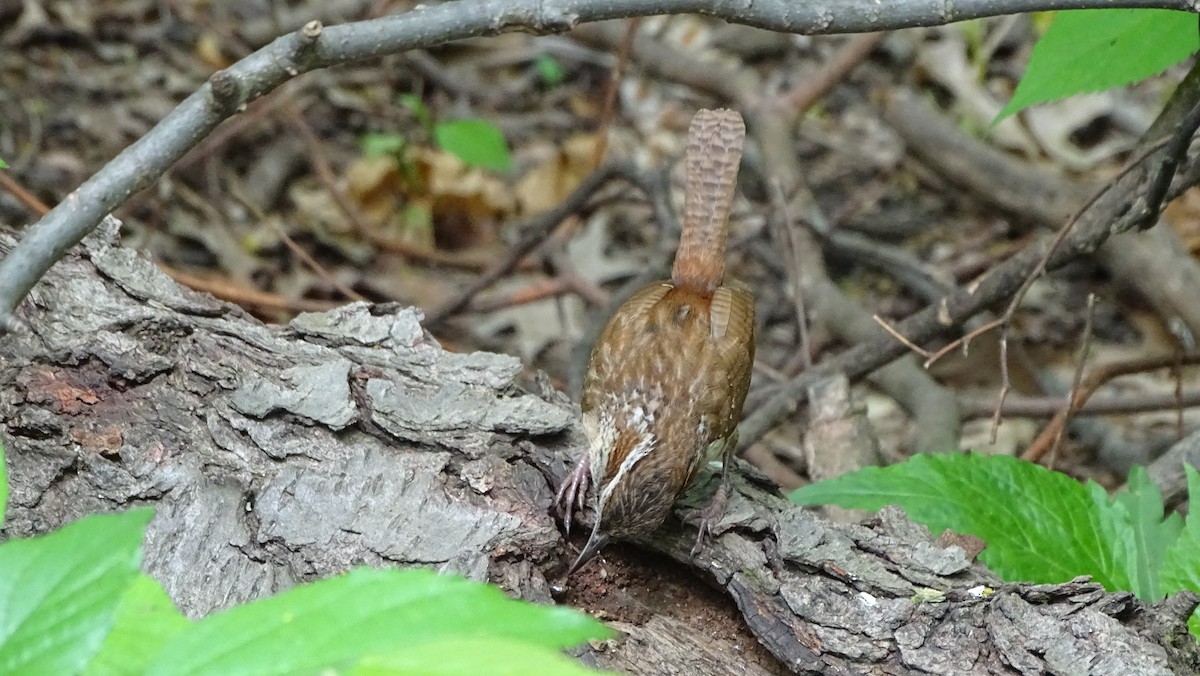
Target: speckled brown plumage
<point>668,376</point>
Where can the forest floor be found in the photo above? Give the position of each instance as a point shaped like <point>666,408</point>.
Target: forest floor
<point>335,188</point>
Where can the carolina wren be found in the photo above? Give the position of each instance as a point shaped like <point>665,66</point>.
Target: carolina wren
<point>667,378</point>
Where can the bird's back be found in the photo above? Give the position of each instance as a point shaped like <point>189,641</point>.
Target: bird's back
<point>673,365</point>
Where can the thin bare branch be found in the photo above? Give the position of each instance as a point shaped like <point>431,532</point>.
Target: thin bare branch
<point>314,46</point>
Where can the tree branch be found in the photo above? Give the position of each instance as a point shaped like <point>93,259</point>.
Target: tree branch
<point>228,91</point>
<point>1127,204</point>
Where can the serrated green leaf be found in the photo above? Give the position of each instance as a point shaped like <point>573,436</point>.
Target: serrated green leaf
<point>1040,526</point>
<point>471,657</point>
<point>59,592</point>
<point>1181,566</point>
<point>146,621</point>
<point>475,142</point>
<point>337,622</point>
<point>1133,522</point>
<point>1095,49</point>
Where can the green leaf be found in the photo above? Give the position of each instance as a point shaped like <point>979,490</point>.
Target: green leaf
<point>471,657</point>
<point>336,623</point>
<point>376,145</point>
<point>59,592</point>
<point>475,142</point>
<point>1181,565</point>
<point>146,621</point>
<point>418,109</point>
<point>1040,526</point>
<point>549,70</point>
<point>3,164</point>
<point>1095,49</point>
<point>1134,524</point>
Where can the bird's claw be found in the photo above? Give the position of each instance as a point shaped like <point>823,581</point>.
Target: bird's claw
<point>711,515</point>
<point>572,493</point>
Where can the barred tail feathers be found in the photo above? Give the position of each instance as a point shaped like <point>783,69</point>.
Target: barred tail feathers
<point>714,151</point>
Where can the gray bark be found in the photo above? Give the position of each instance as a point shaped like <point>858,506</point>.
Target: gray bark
<point>281,454</point>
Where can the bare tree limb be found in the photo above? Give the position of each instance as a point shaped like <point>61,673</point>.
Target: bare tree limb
<point>314,46</point>
<point>1128,204</point>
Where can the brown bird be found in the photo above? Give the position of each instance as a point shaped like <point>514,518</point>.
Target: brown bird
<point>668,376</point>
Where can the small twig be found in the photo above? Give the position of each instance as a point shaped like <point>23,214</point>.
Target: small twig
<point>787,239</point>
<point>610,92</point>
<point>1184,342</point>
<point>778,471</point>
<point>540,290</point>
<point>1005,386</point>
<point>962,271</point>
<point>1062,233</point>
<point>1085,345</point>
<point>769,371</point>
<point>552,287</point>
<point>324,172</point>
<point>296,249</point>
<point>313,265</point>
<point>243,296</point>
<point>1046,407</point>
<point>476,259</point>
<point>1093,382</point>
<point>586,289</point>
<point>1101,221</point>
<point>815,87</point>
<point>23,196</point>
<point>964,342</point>
<point>901,337</point>
<point>1156,192</point>
<point>1177,373</point>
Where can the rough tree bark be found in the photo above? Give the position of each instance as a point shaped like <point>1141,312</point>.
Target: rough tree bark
<point>277,455</point>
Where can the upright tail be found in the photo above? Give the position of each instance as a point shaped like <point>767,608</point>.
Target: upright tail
<point>714,151</point>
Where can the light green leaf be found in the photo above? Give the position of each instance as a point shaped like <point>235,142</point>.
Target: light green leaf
<point>1040,526</point>
<point>471,657</point>
<point>549,70</point>
<point>3,164</point>
<point>1181,566</point>
<point>335,623</point>
<point>475,142</point>
<point>59,592</point>
<point>419,110</point>
<point>375,145</point>
<point>1140,535</point>
<point>146,621</point>
<point>1095,49</point>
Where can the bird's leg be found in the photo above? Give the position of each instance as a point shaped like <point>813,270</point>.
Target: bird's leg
<point>573,492</point>
<point>712,513</point>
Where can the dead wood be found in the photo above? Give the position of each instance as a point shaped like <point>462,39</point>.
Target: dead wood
<point>280,454</point>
